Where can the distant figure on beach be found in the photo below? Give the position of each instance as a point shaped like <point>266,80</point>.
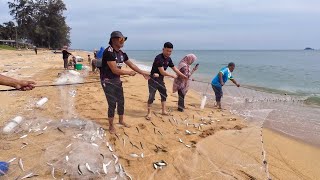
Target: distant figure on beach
<point>94,65</point>
<point>35,49</point>
<point>17,84</point>
<point>160,65</point>
<point>65,56</point>
<point>180,84</point>
<point>220,79</point>
<point>89,59</point>
<point>112,60</point>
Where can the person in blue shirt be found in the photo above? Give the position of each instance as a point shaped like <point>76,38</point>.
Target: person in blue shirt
<point>220,79</point>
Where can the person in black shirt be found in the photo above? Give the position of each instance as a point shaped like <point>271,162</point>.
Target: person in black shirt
<point>112,61</point>
<point>160,65</point>
<point>65,55</point>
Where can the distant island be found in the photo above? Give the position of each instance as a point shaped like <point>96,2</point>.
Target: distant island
<point>308,48</point>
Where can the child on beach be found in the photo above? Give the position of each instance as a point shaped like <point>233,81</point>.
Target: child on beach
<point>181,85</point>
<point>160,65</point>
<point>220,79</point>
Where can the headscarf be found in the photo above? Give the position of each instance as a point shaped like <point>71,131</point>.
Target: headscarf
<point>182,84</point>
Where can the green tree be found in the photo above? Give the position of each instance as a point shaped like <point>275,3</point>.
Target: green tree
<point>41,22</point>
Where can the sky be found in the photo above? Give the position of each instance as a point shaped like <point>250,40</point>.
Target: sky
<point>193,24</point>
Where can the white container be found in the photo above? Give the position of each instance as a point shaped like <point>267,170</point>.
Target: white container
<point>12,124</point>
<point>203,102</point>
<point>41,102</point>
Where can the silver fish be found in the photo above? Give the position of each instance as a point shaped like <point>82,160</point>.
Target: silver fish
<point>89,169</point>
<point>160,164</point>
<point>188,132</point>
<point>110,148</point>
<point>52,173</point>
<point>188,146</point>
<point>142,155</point>
<point>69,145</point>
<point>93,144</point>
<point>21,164</point>
<point>115,178</point>
<point>44,128</point>
<point>108,163</point>
<point>30,175</point>
<point>134,155</point>
<point>23,136</point>
<point>67,158</point>
<point>180,140</point>
<point>117,168</point>
<point>104,167</point>
<point>155,166</point>
<point>11,160</point>
<point>116,159</point>
<point>79,170</point>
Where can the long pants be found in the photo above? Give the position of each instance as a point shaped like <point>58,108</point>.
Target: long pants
<point>65,63</point>
<point>181,100</point>
<point>155,85</point>
<point>115,98</point>
<point>218,92</point>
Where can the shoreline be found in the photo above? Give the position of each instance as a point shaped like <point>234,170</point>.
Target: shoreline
<point>222,150</point>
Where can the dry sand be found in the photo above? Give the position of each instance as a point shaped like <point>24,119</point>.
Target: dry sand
<point>221,149</point>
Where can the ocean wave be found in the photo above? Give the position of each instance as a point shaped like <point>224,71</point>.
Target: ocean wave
<point>313,100</point>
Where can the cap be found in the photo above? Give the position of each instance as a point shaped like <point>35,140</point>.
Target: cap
<point>117,34</point>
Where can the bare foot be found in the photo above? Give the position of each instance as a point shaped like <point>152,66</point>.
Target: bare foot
<point>124,124</point>
<point>165,113</point>
<point>148,117</point>
<point>112,130</point>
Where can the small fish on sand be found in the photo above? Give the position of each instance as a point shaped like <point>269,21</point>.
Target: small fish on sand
<point>11,160</point>
<point>88,168</point>
<point>104,167</point>
<point>24,136</point>
<point>30,175</point>
<point>52,173</point>
<point>134,155</point>
<point>21,164</point>
<point>116,158</point>
<point>79,170</point>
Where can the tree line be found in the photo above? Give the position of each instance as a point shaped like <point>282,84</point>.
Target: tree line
<point>39,22</point>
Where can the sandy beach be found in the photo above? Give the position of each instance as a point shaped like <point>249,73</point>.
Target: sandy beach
<point>217,148</point>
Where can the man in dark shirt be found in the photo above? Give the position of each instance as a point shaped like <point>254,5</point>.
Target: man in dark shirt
<point>112,61</point>
<point>160,65</point>
<point>65,55</point>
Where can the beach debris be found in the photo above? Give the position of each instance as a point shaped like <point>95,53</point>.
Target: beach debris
<point>12,124</point>
<point>44,128</point>
<point>24,136</point>
<point>11,160</point>
<point>21,164</point>
<point>141,145</point>
<point>116,159</point>
<point>188,146</point>
<point>41,102</point>
<point>30,175</point>
<point>142,155</point>
<point>67,158</point>
<point>180,140</point>
<point>52,173</point>
<point>79,170</point>
<point>88,168</point>
<point>24,145</point>
<point>188,132</point>
<point>138,129</point>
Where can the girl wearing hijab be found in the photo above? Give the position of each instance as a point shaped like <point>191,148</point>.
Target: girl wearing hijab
<point>181,85</point>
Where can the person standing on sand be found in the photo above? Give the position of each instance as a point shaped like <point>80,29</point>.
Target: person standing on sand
<point>181,85</point>
<point>21,85</point>
<point>220,79</point>
<point>65,56</point>
<point>89,59</point>
<point>35,49</point>
<point>160,65</point>
<point>112,60</point>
